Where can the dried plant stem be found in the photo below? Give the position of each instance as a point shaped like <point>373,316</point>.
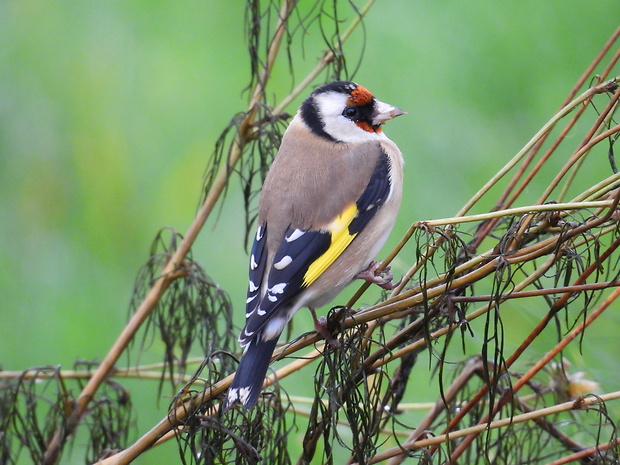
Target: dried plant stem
<point>86,374</point>
<point>325,60</point>
<point>587,74</point>
<point>165,438</point>
<point>152,371</point>
<point>588,94</point>
<point>599,189</point>
<point>167,427</point>
<point>472,367</point>
<point>575,158</point>
<point>544,424</point>
<point>560,303</point>
<point>539,292</point>
<point>604,123</point>
<point>414,406</point>
<point>381,357</point>
<point>581,403</point>
<point>566,208</point>
<point>590,451</point>
<point>537,367</point>
<point>437,286</point>
<point>486,228</point>
<point>546,156</point>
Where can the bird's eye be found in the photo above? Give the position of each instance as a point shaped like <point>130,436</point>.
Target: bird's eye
<point>350,112</point>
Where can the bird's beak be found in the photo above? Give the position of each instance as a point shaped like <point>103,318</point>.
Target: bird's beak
<point>384,112</point>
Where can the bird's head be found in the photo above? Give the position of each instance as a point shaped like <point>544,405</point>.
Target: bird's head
<point>344,111</point>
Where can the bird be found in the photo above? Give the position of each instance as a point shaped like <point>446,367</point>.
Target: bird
<point>327,206</point>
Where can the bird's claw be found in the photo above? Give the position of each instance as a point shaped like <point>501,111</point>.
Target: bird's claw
<point>382,278</point>
<point>320,326</point>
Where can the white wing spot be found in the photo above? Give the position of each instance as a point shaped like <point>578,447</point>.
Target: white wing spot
<point>286,261</point>
<point>272,298</point>
<point>295,235</point>
<point>259,233</point>
<point>244,393</point>
<point>253,287</point>
<point>253,264</point>
<point>250,299</point>
<point>261,313</point>
<point>233,395</point>
<point>277,288</point>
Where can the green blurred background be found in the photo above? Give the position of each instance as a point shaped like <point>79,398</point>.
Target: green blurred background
<point>109,112</point>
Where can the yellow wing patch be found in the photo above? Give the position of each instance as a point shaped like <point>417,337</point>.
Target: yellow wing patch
<point>340,239</point>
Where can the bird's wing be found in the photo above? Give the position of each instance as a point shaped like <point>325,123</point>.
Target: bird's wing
<point>303,255</point>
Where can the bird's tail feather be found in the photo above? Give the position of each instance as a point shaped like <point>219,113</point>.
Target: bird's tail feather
<point>248,382</point>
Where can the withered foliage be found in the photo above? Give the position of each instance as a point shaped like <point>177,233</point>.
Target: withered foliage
<point>244,438</point>
<point>193,310</point>
<point>35,403</point>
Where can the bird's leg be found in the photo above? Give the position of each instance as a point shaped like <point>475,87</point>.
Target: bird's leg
<point>382,279</point>
<point>320,326</point>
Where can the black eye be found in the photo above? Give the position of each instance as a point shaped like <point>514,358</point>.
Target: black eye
<point>350,112</point>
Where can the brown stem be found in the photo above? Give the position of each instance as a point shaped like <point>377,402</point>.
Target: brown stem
<point>585,453</point>
<point>502,203</point>
<point>472,367</point>
<point>536,368</point>
<point>560,303</point>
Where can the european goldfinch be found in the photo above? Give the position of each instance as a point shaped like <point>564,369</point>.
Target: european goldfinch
<point>327,206</point>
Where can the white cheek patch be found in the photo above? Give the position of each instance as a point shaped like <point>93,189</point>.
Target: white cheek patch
<point>330,106</point>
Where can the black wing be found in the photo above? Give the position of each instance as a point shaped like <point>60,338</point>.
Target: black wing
<point>291,270</point>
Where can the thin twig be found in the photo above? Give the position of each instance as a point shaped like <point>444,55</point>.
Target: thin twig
<point>586,453</point>
<point>560,303</point>
<point>546,128</point>
<point>537,367</point>
<point>566,208</point>
<point>578,404</point>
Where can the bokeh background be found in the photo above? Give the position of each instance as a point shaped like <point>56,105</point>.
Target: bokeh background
<point>109,112</point>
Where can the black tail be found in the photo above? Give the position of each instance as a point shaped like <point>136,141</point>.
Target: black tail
<point>248,382</point>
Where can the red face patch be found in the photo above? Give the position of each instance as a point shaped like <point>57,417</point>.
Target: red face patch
<point>360,96</point>
<point>368,127</point>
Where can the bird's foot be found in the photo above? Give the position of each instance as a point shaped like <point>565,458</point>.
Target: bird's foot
<point>381,278</point>
<point>320,326</point>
